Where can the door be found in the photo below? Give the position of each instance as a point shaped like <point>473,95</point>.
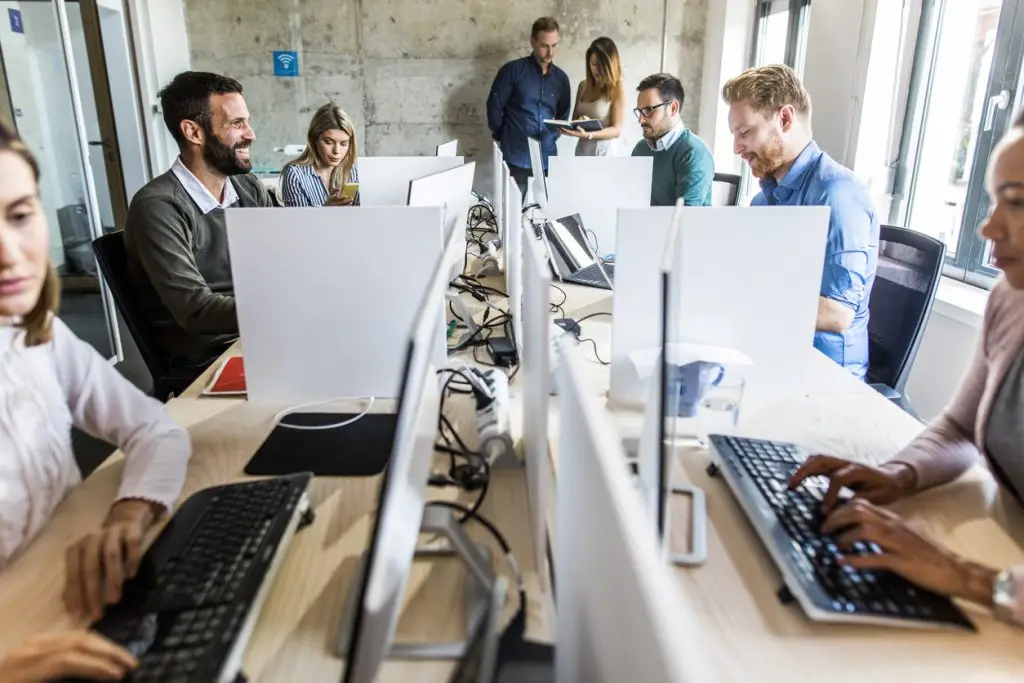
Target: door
<point>49,113</point>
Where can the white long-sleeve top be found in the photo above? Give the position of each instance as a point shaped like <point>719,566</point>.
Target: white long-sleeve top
<point>46,389</point>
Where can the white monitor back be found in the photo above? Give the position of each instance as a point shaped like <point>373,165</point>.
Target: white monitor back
<point>448,149</point>
<point>384,181</point>
<point>596,188</point>
<point>513,211</point>
<point>326,297</point>
<point>498,189</point>
<point>537,185</point>
<point>452,191</point>
<point>514,270</point>
<point>535,356</point>
<point>621,616</point>
<point>749,279</point>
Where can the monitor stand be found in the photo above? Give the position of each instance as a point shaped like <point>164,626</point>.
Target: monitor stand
<point>479,586</point>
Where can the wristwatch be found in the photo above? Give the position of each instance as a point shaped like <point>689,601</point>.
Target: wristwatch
<point>1004,598</point>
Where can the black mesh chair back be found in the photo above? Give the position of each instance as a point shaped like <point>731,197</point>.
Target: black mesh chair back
<point>112,258</point>
<point>725,190</point>
<point>909,268</point>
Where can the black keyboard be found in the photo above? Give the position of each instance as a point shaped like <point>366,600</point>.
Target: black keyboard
<point>789,522</point>
<point>188,612</point>
<point>591,276</point>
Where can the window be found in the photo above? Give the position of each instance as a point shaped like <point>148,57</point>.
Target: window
<point>961,99</point>
<point>780,37</point>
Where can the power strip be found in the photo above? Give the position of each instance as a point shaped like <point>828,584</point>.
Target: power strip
<point>494,434</point>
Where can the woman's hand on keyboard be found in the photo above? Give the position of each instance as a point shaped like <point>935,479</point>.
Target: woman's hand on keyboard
<point>882,485</point>
<point>906,551</point>
<point>74,654</point>
<point>100,562</point>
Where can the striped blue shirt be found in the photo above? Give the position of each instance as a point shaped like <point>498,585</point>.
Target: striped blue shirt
<point>302,186</point>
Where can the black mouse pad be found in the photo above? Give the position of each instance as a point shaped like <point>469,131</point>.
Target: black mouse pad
<point>360,449</point>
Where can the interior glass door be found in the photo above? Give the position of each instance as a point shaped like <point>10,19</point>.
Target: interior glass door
<point>50,92</point>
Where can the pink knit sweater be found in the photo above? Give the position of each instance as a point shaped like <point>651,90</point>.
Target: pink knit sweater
<point>952,443</point>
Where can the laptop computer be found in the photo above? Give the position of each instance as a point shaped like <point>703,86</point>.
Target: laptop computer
<point>571,255</point>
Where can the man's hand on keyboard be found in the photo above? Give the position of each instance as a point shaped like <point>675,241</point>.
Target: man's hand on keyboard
<point>883,484</point>
<point>906,552</point>
<point>100,562</point>
<point>75,654</point>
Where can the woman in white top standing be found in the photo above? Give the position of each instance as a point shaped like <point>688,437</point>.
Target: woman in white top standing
<point>318,176</point>
<point>50,380</point>
<point>601,96</point>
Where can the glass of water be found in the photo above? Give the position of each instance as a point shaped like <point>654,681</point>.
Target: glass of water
<point>720,408</point>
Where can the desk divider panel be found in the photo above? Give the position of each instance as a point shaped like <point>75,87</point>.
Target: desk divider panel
<point>326,297</point>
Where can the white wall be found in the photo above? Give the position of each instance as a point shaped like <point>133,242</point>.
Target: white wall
<point>942,358</point>
<point>162,50</point>
<point>727,38</point>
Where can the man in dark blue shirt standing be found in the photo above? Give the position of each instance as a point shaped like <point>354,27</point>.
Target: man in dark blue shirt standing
<point>525,92</point>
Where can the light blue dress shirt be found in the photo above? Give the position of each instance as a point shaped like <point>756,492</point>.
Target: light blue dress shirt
<point>851,253</point>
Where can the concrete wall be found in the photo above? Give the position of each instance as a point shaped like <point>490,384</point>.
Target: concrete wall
<point>413,73</point>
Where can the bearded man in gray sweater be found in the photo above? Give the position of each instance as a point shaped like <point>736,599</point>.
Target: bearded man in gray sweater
<point>175,232</point>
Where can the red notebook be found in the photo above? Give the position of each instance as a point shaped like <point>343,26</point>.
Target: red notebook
<point>229,380</point>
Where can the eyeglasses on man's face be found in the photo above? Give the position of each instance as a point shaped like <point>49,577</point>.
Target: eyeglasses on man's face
<point>646,112</point>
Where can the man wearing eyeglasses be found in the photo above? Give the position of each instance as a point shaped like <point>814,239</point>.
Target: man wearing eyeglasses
<point>683,163</point>
<point>770,120</point>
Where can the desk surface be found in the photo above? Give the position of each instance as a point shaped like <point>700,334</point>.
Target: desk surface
<point>747,632</point>
<point>297,628</point>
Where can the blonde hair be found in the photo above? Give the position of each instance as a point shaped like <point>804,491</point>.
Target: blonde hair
<point>768,89</point>
<point>608,66</point>
<point>329,117</point>
<point>38,323</point>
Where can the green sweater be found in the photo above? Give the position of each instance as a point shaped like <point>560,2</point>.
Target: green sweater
<point>686,169</point>
<point>178,264</point>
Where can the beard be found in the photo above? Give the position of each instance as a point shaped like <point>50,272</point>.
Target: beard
<point>770,159</point>
<point>224,158</point>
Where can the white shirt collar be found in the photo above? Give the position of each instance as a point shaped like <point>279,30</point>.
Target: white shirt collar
<point>667,140</point>
<point>198,192</point>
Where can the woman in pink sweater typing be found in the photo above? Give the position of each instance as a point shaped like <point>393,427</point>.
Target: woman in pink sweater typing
<point>986,416</point>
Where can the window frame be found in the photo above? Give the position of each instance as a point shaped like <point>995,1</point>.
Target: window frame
<point>796,48</point>
<point>967,264</point>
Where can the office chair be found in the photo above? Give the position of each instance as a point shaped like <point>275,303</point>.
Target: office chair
<point>725,190</point>
<point>112,258</point>
<point>909,268</point>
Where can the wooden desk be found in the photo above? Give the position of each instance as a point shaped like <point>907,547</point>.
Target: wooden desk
<point>749,634</point>
<point>295,638</point>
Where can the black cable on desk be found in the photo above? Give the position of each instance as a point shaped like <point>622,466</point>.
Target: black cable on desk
<point>596,354</point>
<point>592,315</point>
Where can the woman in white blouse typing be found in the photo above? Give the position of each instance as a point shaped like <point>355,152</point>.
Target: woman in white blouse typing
<point>50,381</point>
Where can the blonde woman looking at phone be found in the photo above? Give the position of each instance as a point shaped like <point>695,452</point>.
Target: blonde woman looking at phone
<point>325,174</point>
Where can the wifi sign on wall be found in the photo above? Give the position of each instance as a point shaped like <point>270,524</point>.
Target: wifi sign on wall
<point>286,63</point>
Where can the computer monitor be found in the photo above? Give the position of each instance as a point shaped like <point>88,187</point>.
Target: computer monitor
<point>498,171</point>
<point>307,337</point>
<point>538,184</point>
<point>536,385</point>
<point>448,149</point>
<point>621,615</point>
<point>396,529</point>
<point>749,279</point>
<point>384,181</point>
<point>452,191</point>
<point>513,255</point>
